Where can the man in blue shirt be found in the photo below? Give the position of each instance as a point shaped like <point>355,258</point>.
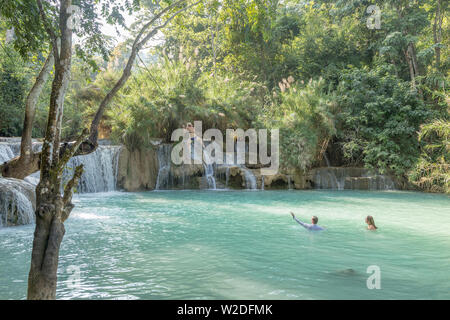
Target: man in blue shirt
<point>310,227</point>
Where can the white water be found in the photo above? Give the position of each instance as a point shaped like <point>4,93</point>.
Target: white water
<point>163,181</point>
<point>289,182</point>
<point>6,153</point>
<point>100,167</point>
<point>250,179</point>
<point>339,179</point>
<point>15,207</point>
<point>326,159</point>
<point>100,175</point>
<point>99,170</point>
<point>209,171</point>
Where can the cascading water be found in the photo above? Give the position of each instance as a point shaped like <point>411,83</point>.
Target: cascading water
<point>289,182</point>
<point>99,170</point>
<point>17,196</point>
<point>16,206</point>
<point>250,179</point>
<point>326,160</point>
<point>6,152</point>
<point>164,179</point>
<point>351,179</point>
<point>209,171</point>
<point>100,167</point>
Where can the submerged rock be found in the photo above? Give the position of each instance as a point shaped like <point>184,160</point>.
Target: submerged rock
<point>17,202</point>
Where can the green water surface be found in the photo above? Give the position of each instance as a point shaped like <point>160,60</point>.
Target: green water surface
<point>243,245</point>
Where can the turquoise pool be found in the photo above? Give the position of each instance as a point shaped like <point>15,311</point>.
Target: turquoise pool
<point>243,245</point>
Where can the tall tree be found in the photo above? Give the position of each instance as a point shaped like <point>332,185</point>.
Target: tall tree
<point>31,39</point>
<point>52,208</point>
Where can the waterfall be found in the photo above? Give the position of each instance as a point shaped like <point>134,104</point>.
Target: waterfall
<point>351,179</point>
<point>381,182</point>
<point>100,167</point>
<point>6,152</point>
<point>209,171</point>
<point>227,176</point>
<point>16,206</point>
<point>250,179</point>
<point>262,182</point>
<point>100,170</point>
<point>289,182</point>
<point>164,179</point>
<point>326,159</point>
<point>17,196</point>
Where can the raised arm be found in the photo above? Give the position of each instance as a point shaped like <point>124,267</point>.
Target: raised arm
<point>304,225</point>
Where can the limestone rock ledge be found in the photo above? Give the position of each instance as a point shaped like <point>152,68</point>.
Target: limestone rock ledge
<point>137,169</point>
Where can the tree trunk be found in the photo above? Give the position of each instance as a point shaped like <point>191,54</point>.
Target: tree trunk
<point>28,163</point>
<point>12,169</point>
<point>50,206</point>
<point>437,33</point>
<point>138,43</point>
<point>30,106</point>
<point>411,69</point>
<point>411,58</point>
<point>52,209</point>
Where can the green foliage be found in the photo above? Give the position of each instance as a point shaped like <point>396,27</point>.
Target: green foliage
<point>305,116</point>
<point>232,64</point>
<point>323,48</point>
<point>14,76</point>
<point>165,96</point>
<point>378,120</point>
<point>432,171</point>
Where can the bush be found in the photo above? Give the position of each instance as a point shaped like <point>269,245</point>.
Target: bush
<point>167,95</point>
<point>432,171</point>
<point>305,116</point>
<point>379,119</point>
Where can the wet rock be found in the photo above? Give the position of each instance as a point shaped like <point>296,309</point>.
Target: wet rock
<point>137,169</point>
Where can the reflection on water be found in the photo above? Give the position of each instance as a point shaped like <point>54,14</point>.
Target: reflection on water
<point>243,245</point>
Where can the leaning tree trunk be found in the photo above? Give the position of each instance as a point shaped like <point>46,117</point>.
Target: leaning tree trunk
<point>28,162</point>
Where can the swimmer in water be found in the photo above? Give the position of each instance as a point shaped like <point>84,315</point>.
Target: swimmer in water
<point>310,227</point>
<point>371,223</point>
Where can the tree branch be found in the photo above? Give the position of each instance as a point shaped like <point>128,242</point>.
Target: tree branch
<point>30,105</point>
<point>48,28</point>
<point>68,193</point>
<point>70,150</point>
<point>137,45</point>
